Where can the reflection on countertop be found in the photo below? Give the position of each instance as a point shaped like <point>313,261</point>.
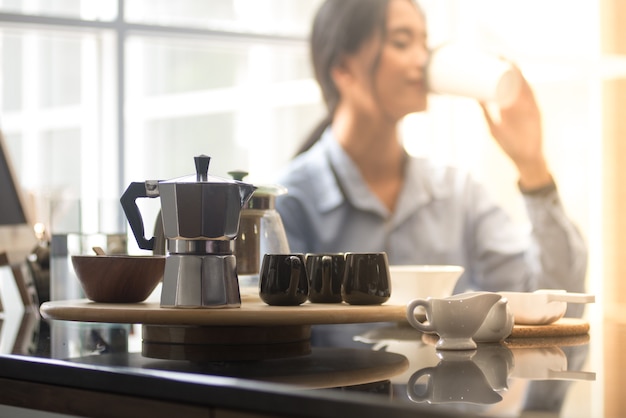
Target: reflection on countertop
<point>517,375</point>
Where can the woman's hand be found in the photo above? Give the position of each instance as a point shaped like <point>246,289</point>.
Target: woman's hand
<point>519,133</point>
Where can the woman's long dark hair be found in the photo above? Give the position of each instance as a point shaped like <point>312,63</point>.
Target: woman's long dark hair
<point>340,28</point>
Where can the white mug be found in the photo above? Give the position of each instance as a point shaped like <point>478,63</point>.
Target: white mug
<point>470,72</point>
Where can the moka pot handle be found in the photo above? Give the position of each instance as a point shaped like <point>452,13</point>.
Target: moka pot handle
<point>136,190</point>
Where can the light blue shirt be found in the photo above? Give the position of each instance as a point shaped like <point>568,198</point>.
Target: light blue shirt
<point>442,217</point>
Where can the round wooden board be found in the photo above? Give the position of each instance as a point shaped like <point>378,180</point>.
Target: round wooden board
<point>253,312</point>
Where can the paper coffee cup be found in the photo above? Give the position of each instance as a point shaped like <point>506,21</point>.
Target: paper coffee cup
<point>469,72</point>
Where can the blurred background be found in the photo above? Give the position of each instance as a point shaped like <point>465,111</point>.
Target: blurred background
<point>96,94</point>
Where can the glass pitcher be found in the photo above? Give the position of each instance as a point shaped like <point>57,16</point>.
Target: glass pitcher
<point>261,232</point>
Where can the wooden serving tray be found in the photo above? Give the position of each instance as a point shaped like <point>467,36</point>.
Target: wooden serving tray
<point>253,312</point>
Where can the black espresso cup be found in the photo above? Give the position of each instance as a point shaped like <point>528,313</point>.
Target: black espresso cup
<point>366,280</point>
<point>283,279</point>
<point>325,275</point>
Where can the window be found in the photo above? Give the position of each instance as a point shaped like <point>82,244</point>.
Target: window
<point>99,94</point>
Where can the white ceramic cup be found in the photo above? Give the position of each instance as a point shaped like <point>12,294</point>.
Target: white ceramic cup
<point>461,70</point>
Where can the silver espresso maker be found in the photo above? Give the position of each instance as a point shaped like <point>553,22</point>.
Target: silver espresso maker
<point>200,221</point>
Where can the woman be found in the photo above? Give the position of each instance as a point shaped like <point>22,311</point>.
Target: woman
<point>356,189</point>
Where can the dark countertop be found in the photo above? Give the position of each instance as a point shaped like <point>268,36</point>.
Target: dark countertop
<point>193,389</point>
<point>106,363</point>
<point>365,370</point>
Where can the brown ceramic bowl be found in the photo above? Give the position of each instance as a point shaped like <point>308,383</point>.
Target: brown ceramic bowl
<point>118,278</point>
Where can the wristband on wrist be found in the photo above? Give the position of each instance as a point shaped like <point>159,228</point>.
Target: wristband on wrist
<point>538,191</point>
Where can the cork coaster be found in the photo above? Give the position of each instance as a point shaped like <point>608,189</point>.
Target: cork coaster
<point>540,342</point>
<point>564,327</point>
<point>564,332</point>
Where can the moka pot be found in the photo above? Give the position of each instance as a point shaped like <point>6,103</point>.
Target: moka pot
<point>200,221</point>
